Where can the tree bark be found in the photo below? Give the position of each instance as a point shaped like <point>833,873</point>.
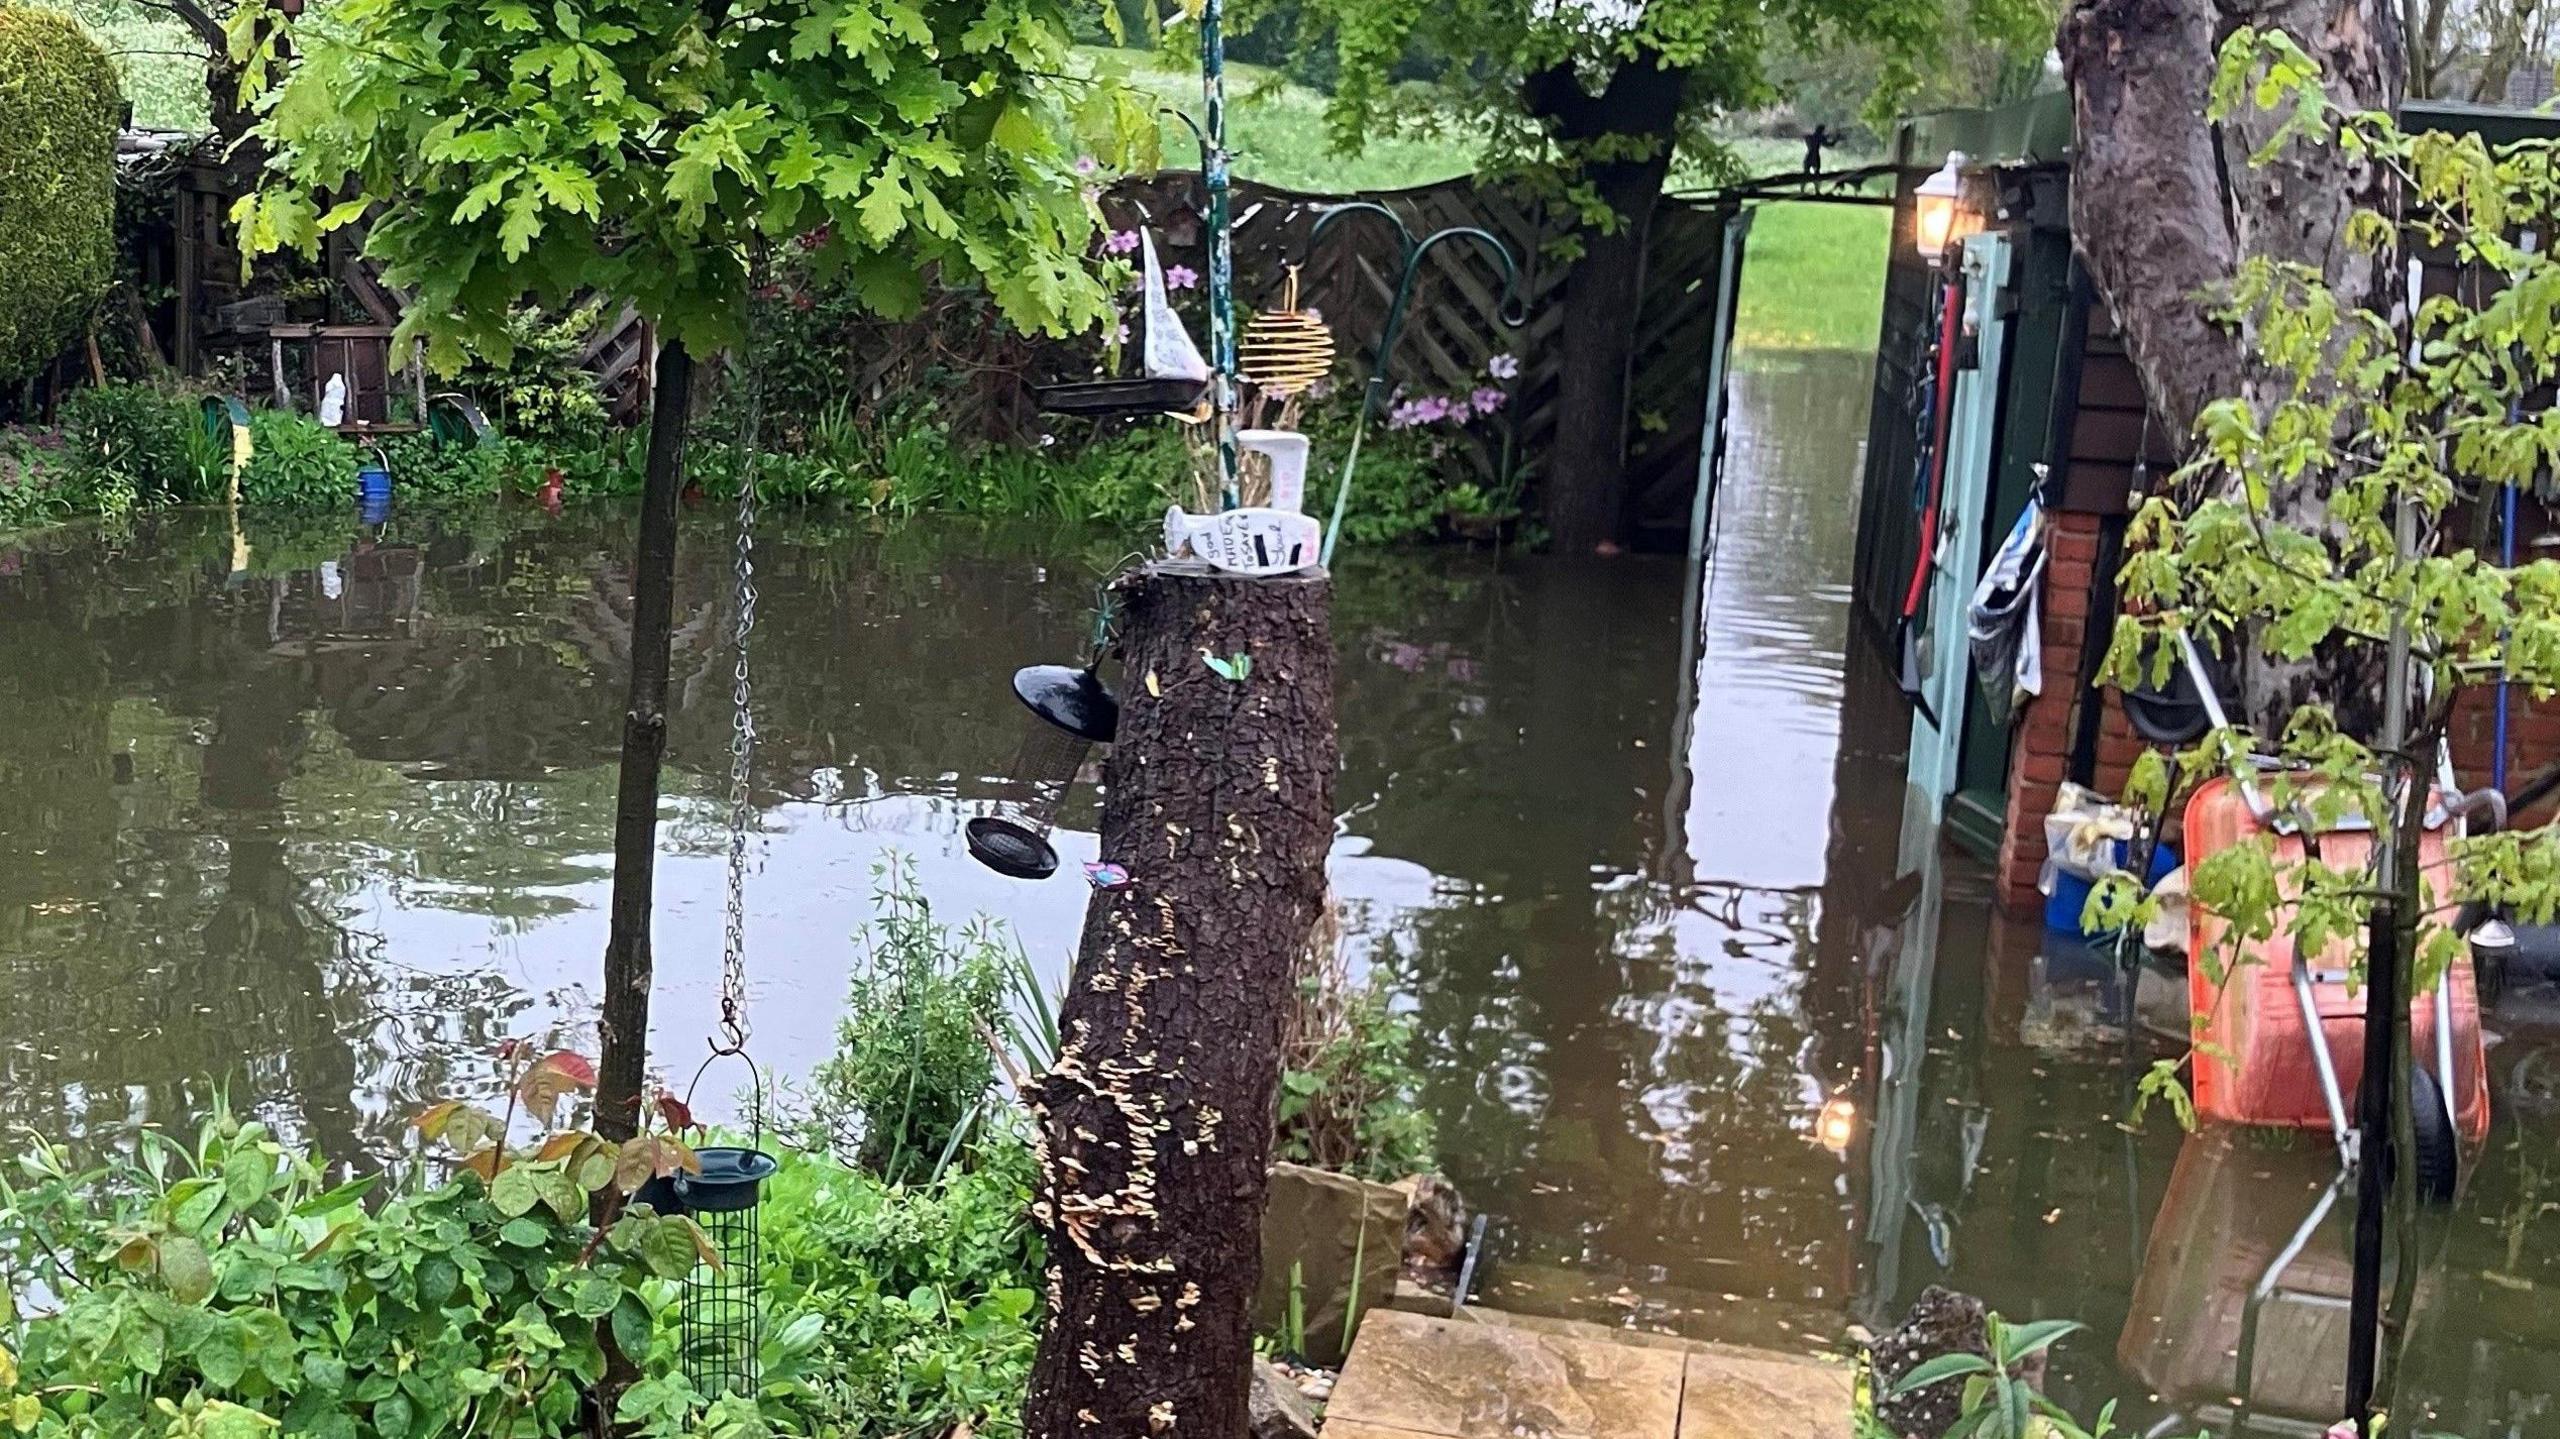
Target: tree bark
<point>2166,207</point>
<point>1155,1124</point>
<point>1586,468</point>
<point>628,964</point>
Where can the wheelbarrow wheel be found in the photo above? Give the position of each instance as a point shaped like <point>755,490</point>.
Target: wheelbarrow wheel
<point>2439,1155</point>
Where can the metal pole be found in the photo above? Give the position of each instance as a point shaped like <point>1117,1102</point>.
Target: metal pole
<point>1222,266</point>
<point>2384,1002</point>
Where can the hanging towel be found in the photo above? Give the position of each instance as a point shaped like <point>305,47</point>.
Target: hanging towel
<point>2003,626</point>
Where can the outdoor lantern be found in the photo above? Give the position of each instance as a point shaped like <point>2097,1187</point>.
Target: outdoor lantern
<point>1937,198</point>
<point>717,1328</point>
<point>1072,711</point>
<point>1837,1124</point>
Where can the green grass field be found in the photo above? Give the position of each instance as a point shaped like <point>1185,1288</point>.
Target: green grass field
<point>1813,278</point>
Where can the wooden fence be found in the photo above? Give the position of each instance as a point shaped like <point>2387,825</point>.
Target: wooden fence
<point>981,376</point>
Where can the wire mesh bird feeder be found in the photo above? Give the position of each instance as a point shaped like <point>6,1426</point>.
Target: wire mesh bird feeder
<point>1072,711</point>
<point>718,1329</point>
<point>1287,351</point>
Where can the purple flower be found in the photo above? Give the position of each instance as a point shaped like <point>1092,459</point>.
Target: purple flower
<point>1486,400</point>
<point>1180,277</point>
<point>1503,367</point>
<point>1086,164</point>
<point>1120,242</point>
<point>1122,337</point>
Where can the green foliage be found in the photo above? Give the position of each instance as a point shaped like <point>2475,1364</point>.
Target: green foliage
<point>1349,1085</point>
<point>225,1288</point>
<point>2277,546</point>
<point>37,479</point>
<point>140,441</point>
<point>422,469</point>
<point>57,183</point>
<point>297,462</point>
<point>1998,1402</point>
<point>543,393</point>
<point>915,1053</point>
<point>1509,70</point>
<point>930,1294</point>
<point>59,108</point>
<point>644,148</point>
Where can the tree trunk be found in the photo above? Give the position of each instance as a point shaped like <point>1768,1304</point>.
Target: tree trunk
<point>1155,1125</point>
<point>627,960</point>
<point>2166,207</point>
<point>1585,475</point>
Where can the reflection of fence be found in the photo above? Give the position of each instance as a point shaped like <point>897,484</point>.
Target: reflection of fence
<point>979,375</point>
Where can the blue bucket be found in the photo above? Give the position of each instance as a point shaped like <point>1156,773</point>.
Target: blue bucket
<point>373,494</point>
<point>2063,907</point>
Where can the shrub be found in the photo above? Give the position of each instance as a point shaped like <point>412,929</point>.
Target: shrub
<point>1349,1089</point>
<point>930,1295</point>
<point>913,1058</point>
<point>543,394</point>
<point>140,441</point>
<point>297,461</point>
<point>423,469</point>
<point>226,1289</point>
<point>59,108</point>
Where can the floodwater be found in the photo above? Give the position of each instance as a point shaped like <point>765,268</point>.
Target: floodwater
<point>318,825</point>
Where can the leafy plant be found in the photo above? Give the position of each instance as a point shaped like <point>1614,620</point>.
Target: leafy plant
<point>2316,539</point>
<point>914,1055</point>
<point>1998,1402</point>
<point>543,393</point>
<point>930,1292</point>
<point>421,468</point>
<point>225,1288</point>
<point>1349,1088</point>
<point>297,461</point>
<point>138,440</point>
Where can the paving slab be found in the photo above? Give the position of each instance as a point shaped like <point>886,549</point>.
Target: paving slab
<point>1737,1394</point>
<point>1462,1380</point>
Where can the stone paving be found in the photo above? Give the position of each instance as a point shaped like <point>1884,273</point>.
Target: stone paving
<point>1491,1376</point>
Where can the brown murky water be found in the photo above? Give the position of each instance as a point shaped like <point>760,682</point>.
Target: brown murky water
<point>1624,834</point>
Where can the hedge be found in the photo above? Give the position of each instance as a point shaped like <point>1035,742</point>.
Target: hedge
<point>59,109</point>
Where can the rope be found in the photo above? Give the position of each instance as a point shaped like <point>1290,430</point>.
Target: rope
<point>734,1027</point>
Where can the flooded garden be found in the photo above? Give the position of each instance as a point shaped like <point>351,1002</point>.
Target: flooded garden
<point>314,824</point>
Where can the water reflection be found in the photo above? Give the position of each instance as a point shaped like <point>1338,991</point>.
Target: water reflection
<point>1626,837</point>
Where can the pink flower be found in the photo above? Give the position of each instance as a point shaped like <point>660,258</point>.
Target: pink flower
<point>1486,400</point>
<point>1120,242</point>
<point>1122,337</point>
<point>1503,367</point>
<point>1180,277</point>
<point>1086,164</point>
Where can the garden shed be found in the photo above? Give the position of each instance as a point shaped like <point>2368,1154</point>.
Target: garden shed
<point>2057,397</point>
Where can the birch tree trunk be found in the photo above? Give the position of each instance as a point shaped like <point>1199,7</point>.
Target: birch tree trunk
<point>1155,1124</point>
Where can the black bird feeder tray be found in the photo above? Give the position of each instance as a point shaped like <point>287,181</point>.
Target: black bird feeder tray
<point>1074,711</point>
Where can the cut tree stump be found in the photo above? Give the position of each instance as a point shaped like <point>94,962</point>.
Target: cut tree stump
<point>1155,1124</point>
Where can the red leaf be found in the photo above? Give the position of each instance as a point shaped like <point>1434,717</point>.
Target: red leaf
<point>569,1065</point>
<point>678,1117</point>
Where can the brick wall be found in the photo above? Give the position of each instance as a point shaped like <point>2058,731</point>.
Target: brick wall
<point>2041,735</point>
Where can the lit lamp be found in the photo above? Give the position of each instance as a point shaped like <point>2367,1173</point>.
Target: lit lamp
<point>1836,1125</point>
<point>1937,198</point>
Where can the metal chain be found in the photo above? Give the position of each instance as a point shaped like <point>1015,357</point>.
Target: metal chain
<point>742,738</point>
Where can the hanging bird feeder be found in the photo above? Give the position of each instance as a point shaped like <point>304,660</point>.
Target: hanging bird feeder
<point>1287,351</point>
<point>717,1317</point>
<point>1072,712</point>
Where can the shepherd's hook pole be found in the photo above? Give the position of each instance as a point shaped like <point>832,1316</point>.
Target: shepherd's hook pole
<point>1222,264</point>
